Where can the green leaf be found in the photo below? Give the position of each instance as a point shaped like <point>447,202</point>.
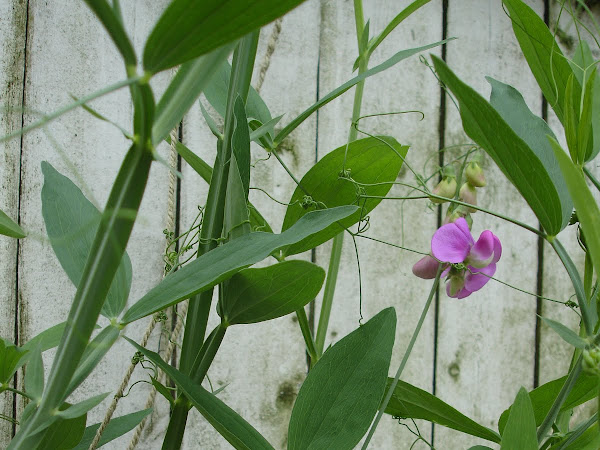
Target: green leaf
<point>9,228</point>
<point>543,397</point>
<point>342,393</point>
<point>520,431</point>
<point>547,63</point>
<point>257,221</point>
<point>116,427</point>
<point>585,137</point>
<point>583,62</point>
<point>190,28</point>
<point>587,209</point>
<point>509,103</point>
<point>571,120</point>
<point>411,402</point>
<point>162,390</point>
<point>369,160</point>
<point>72,221</point>
<point>256,295</point>
<point>567,334</point>
<point>34,374</point>
<point>512,155</point>
<point>94,352</point>
<point>347,85</point>
<point>256,108</point>
<point>479,447</point>
<point>81,408</point>
<point>239,433</point>
<point>223,262</point>
<point>64,434</point>
<point>10,356</point>
<point>191,79</point>
<point>240,143</point>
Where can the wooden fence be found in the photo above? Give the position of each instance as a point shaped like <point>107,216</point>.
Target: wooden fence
<point>473,353</point>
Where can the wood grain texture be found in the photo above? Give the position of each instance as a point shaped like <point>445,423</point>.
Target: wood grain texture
<point>486,343</point>
<point>69,52</point>
<point>13,20</point>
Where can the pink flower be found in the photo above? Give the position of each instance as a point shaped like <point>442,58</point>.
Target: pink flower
<point>469,263</point>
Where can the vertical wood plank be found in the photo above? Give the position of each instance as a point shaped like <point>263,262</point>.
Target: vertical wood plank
<point>13,22</point>
<point>69,52</point>
<point>386,271</point>
<point>486,343</point>
<point>262,365</point>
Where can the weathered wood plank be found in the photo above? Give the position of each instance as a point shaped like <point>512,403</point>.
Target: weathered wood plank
<point>386,271</point>
<point>13,19</point>
<point>69,52</point>
<point>486,342</point>
<point>263,365</point>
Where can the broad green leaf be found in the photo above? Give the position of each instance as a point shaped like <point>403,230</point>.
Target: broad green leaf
<point>341,394</point>
<point>256,108</point>
<point>9,228</point>
<point>547,63</point>
<point>162,390</point>
<point>94,352</point>
<point>223,262</point>
<point>571,120</point>
<point>190,28</point>
<point>509,103</point>
<point>583,62</point>
<point>369,160</point>
<point>64,434</point>
<point>236,221</point>
<point>401,55</point>
<point>520,432</point>
<point>543,397</point>
<point>116,427</point>
<point>411,402</point>
<point>587,209</point>
<point>78,409</point>
<point>10,356</point>
<point>191,79</point>
<point>72,221</point>
<point>566,333</point>
<point>585,136</point>
<point>239,433</point>
<point>256,295</point>
<point>240,143</point>
<point>257,221</point>
<point>512,155</point>
<point>34,374</point>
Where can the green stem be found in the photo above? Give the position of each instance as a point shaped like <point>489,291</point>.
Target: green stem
<point>588,275</point>
<point>212,225</point>
<point>16,391</point>
<point>407,353</point>
<point>307,335</point>
<point>177,423</point>
<point>591,177</point>
<point>577,285</point>
<point>560,399</point>
<point>338,241</point>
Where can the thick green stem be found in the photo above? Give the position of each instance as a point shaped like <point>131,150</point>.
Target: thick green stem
<point>212,225</point>
<point>407,353</point>
<point>307,335</point>
<point>338,241</point>
<point>558,402</point>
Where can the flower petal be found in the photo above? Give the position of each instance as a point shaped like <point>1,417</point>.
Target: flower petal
<point>463,226</point>
<point>479,277</point>
<point>426,267</point>
<point>497,250</point>
<point>482,253</point>
<point>464,292</point>
<point>449,243</point>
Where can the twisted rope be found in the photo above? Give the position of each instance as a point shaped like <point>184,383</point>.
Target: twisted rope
<point>170,226</point>
<point>268,53</point>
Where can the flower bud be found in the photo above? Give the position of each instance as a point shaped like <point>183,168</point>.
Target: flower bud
<point>474,174</point>
<point>456,283</point>
<point>591,361</point>
<point>468,194</point>
<point>445,188</point>
<point>426,267</point>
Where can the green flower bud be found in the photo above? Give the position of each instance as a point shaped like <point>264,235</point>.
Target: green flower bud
<point>445,188</point>
<point>474,174</point>
<point>468,194</point>
<point>591,361</point>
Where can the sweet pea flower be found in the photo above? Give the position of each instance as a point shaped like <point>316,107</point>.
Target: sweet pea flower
<point>468,264</point>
